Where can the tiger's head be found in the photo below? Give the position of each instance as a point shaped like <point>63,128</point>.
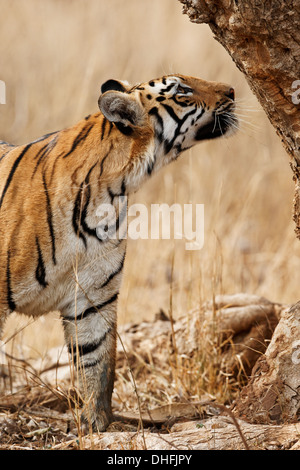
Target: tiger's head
<point>180,110</point>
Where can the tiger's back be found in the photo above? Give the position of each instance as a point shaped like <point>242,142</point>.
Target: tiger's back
<point>52,254</point>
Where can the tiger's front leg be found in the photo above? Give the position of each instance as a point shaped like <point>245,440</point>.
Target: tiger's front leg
<point>90,334</point>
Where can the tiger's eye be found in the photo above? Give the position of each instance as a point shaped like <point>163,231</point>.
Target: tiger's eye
<point>184,90</point>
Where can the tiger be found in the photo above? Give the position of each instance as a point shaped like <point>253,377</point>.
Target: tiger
<point>53,257</point>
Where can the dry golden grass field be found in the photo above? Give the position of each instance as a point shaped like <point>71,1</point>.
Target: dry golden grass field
<point>54,55</point>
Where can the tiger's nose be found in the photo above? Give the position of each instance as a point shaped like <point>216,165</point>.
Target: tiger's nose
<point>230,93</point>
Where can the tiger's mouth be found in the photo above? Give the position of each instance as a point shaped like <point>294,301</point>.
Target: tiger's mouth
<point>221,124</point>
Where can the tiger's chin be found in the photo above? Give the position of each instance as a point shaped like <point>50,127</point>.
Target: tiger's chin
<point>221,125</point>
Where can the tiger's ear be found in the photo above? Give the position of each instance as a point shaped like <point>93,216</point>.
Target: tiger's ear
<point>122,109</point>
<point>116,85</point>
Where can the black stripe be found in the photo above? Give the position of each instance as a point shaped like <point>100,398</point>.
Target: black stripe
<point>183,104</point>
<point>159,133</point>
<point>169,144</point>
<point>111,125</point>
<point>150,165</point>
<point>10,301</point>
<point>104,121</point>
<point>12,171</point>
<point>89,347</point>
<point>201,114</point>
<point>103,127</point>
<point>122,192</point>
<point>40,272</point>
<point>168,88</point>
<point>171,113</point>
<point>79,212</point>
<point>76,216</point>
<point>114,273</point>
<point>80,137</point>
<point>43,152</point>
<point>121,216</point>
<point>94,309</point>
<point>111,194</point>
<point>93,363</point>
<point>90,231</point>
<point>49,220</point>
<point>126,130</point>
<point>103,159</point>
<point>123,188</point>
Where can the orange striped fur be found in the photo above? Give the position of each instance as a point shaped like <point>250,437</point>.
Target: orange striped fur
<point>51,257</point>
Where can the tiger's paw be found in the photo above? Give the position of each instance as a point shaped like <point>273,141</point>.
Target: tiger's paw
<point>97,422</point>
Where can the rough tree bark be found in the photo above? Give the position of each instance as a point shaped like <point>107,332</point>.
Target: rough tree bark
<point>217,433</point>
<point>263,39</point>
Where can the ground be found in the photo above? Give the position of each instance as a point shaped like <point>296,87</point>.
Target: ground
<point>176,385</point>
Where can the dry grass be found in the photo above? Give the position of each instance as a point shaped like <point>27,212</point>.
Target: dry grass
<point>54,56</point>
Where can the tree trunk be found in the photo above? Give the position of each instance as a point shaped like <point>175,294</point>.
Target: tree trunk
<point>263,39</point>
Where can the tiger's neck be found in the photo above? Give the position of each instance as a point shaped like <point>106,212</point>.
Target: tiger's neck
<point>98,167</point>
